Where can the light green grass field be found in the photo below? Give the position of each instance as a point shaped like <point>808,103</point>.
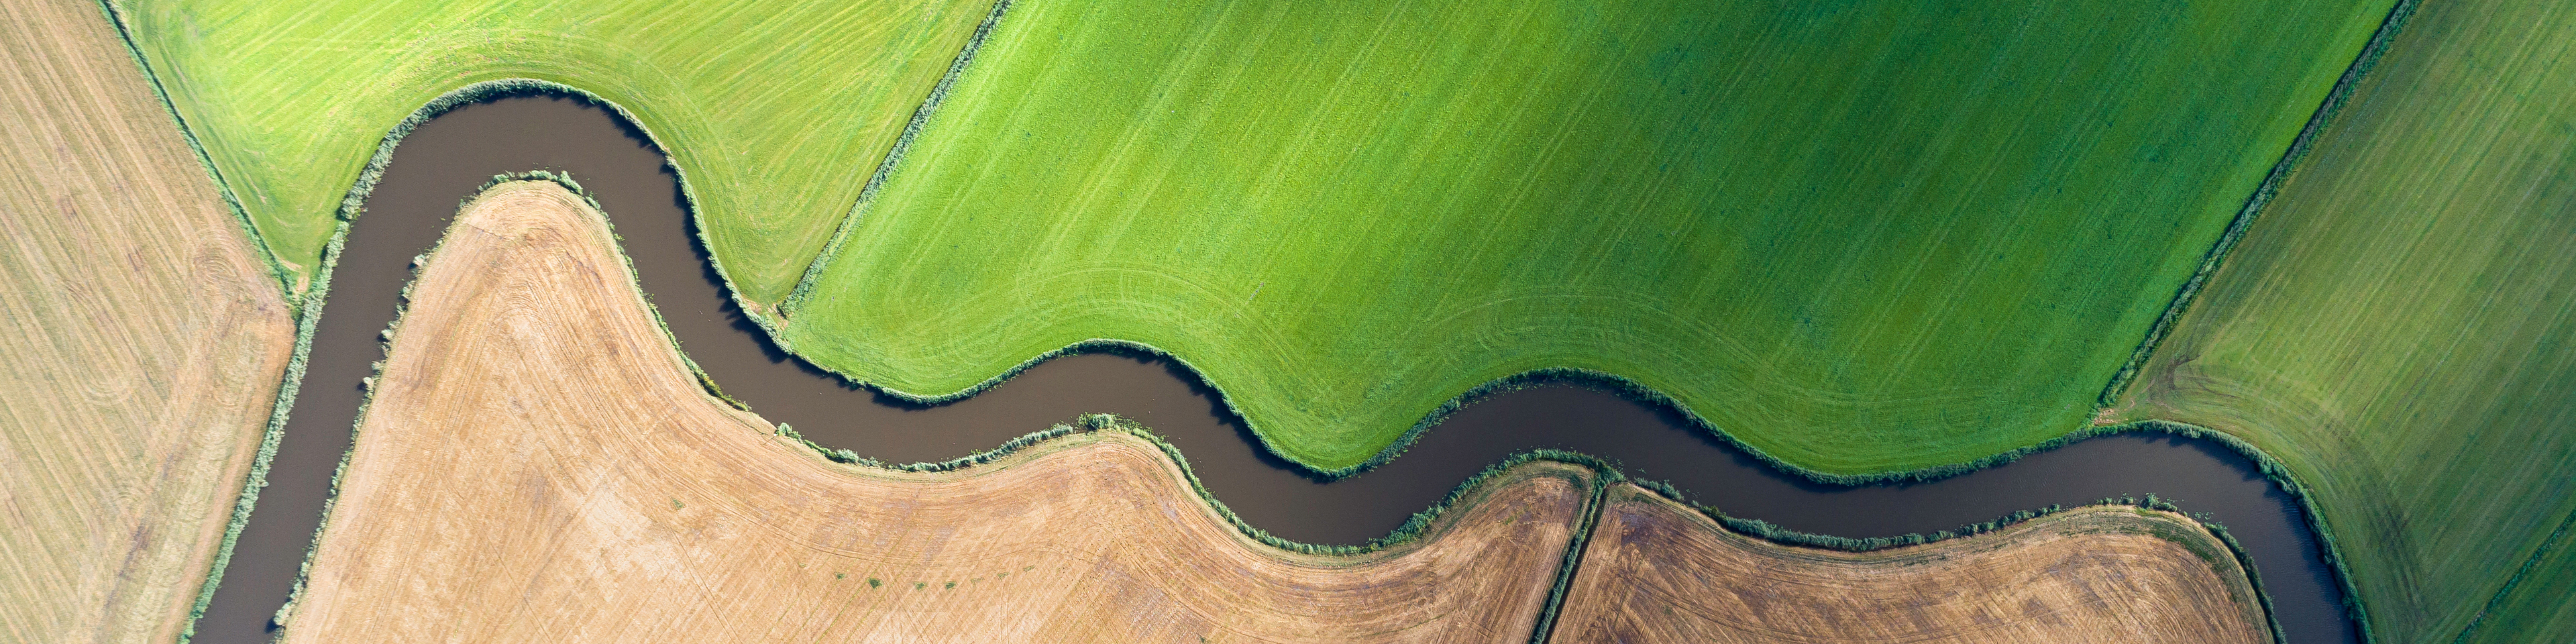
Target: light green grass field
<point>775,111</point>
<point>2400,327</point>
<point>1860,236</point>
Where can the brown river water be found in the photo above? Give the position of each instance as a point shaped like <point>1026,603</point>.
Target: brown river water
<point>446,159</point>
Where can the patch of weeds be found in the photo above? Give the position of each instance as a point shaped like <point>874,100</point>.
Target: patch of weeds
<point>875,582</point>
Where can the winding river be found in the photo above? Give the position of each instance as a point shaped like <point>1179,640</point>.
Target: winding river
<point>444,160</point>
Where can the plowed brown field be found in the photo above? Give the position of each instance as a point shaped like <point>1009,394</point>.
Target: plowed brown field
<point>1656,571</point>
<point>539,465</point>
<point>141,341</point>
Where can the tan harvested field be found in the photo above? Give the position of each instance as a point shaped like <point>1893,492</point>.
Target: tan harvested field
<point>539,465</point>
<point>141,342</point>
<point>1656,571</point>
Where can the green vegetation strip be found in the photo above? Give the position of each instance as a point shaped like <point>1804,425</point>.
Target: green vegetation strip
<point>308,310</point>
<point>2556,537</point>
<point>2401,329</point>
<point>2209,263</point>
<point>267,256</point>
<point>1865,241</point>
<point>774,110</point>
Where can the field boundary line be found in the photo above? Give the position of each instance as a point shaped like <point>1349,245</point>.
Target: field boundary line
<point>2555,539</point>
<point>2210,262</point>
<point>1602,480</point>
<point>305,302</point>
<point>286,279</point>
<point>2336,97</point>
<point>885,170</point>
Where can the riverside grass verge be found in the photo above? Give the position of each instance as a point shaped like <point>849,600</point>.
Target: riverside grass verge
<point>1282,225</point>
<point>284,98</point>
<point>1512,531</point>
<point>2209,263</point>
<point>286,279</point>
<point>142,334</point>
<point>2397,330</point>
<point>305,303</point>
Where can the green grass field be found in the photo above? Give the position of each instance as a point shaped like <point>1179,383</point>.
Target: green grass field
<point>2400,328</point>
<point>1861,238</point>
<point>776,111</point>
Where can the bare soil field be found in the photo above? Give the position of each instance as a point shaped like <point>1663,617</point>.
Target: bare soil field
<point>142,341</point>
<point>538,464</point>
<point>1656,571</point>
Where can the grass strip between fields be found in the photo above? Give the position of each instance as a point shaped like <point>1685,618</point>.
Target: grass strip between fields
<point>2557,538</point>
<point>2209,264</point>
<point>286,280</point>
<point>885,168</point>
<point>1593,501</point>
<point>2397,329</point>
<point>307,305</point>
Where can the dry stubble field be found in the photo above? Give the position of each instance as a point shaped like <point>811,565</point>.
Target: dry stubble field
<point>1656,571</point>
<point>539,465</point>
<point>141,342</point>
